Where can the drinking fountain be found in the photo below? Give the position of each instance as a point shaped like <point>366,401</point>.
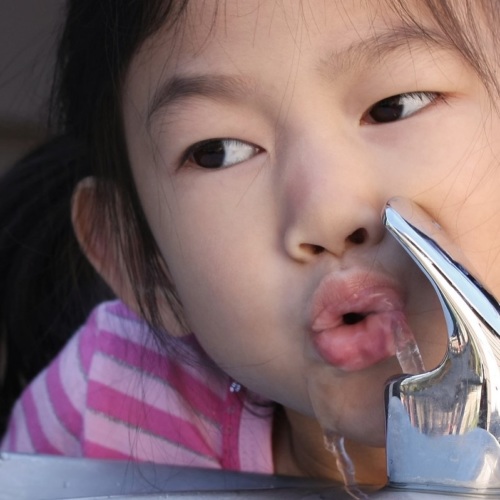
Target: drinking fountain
<point>443,426</point>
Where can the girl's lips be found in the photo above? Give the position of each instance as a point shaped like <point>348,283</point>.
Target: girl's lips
<point>354,319</point>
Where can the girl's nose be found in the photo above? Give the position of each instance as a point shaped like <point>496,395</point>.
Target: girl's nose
<point>332,207</point>
<point>342,230</point>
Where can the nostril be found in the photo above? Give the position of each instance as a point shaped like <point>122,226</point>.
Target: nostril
<point>312,249</point>
<point>316,249</point>
<point>358,237</point>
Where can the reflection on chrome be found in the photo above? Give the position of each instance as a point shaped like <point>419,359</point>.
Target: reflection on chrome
<point>443,426</point>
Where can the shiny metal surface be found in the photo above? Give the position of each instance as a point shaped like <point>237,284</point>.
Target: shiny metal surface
<point>44,477</point>
<point>39,477</point>
<point>443,426</point>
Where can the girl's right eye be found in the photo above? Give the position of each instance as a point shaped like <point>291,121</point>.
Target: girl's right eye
<point>220,153</point>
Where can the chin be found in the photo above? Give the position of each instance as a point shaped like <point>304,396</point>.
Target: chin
<point>361,420</point>
<point>352,404</point>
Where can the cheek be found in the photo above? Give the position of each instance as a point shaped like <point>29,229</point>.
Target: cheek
<point>442,166</point>
<point>467,205</point>
<point>477,228</point>
<point>213,259</point>
<point>214,232</point>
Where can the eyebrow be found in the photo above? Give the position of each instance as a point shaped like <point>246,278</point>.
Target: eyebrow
<point>216,86</point>
<point>374,49</point>
<point>361,53</point>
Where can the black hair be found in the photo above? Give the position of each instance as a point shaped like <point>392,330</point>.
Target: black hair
<point>46,283</point>
<point>47,286</point>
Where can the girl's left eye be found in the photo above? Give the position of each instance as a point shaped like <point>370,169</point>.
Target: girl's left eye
<point>220,153</point>
<point>399,107</point>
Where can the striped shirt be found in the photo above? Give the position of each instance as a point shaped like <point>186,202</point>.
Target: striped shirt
<point>114,393</point>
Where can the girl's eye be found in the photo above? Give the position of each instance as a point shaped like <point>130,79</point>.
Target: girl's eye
<point>219,153</point>
<point>399,106</point>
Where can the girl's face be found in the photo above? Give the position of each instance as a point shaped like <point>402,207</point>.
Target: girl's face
<point>265,138</point>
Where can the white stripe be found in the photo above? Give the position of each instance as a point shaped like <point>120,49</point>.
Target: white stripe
<point>71,375</point>
<point>141,445</point>
<point>22,440</point>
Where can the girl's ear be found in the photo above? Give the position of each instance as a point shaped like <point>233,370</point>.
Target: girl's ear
<point>99,243</point>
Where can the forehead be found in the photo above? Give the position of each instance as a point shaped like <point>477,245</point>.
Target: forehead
<point>214,34</point>
<point>252,24</point>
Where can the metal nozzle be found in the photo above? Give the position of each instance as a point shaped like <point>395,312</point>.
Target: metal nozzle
<point>443,426</point>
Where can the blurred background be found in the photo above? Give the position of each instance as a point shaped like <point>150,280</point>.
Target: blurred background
<point>28,33</point>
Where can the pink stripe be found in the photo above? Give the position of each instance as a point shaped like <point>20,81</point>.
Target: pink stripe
<point>94,450</point>
<point>203,399</point>
<point>137,413</point>
<point>67,414</point>
<point>231,432</point>
<point>40,441</point>
<point>87,340</point>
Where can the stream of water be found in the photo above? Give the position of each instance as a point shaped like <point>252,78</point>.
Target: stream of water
<point>407,351</point>
<point>335,444</point>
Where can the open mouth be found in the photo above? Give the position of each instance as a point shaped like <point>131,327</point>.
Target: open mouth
<point>354,321</point>
<point>359,340</point>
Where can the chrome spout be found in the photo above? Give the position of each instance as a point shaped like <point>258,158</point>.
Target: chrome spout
<point>443,426</point>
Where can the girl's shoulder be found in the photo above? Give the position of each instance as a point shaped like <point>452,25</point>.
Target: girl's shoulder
<point>117,392</point>
<point>183,409</point>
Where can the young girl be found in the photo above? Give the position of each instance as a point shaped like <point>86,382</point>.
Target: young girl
<point>242,154</point>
